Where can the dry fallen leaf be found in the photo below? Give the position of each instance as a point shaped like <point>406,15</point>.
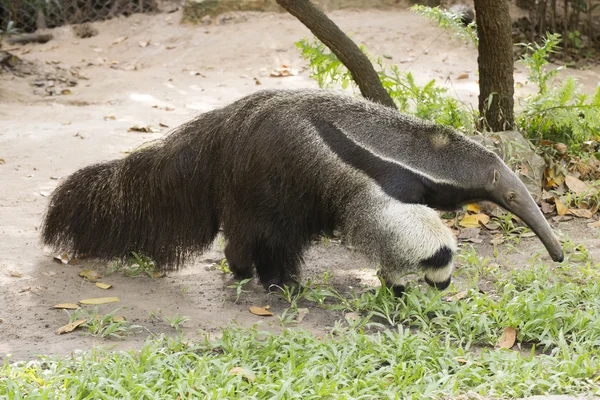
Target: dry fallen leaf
<point>473,208</point>
<point>69,327</point>
<point>463,76</point>
<point>581,213</point>
<point>67,306</point>
<point>144,43</point>
<point>15,274</point>
<point>351,316</point>
<point>561,209</point>
<point>575,185</point>
<point>283,71</point>
<point>260,311</point>
<point>458,296</point>
<point>547,208</point>
<point>118,318</point>
<point>104,286</point>
<point>243,372</point>
<point>2,161</point>
<point>110,117</point>
<point>65,92</point>
<point>100,300</point>
<point>145,129</point>
<point>90,274</point>
<point>561,148</point>
<point>163,125</point>
<point>594,224</point>
<point>63,258</point>
<point>472,221</point>
<point>508,339</point>
<point>119,40</point>
<point>302,312</point>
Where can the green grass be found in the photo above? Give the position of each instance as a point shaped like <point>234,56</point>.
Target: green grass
<point>419,346</point>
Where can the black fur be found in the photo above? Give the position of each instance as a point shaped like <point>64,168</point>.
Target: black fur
<point>440,259</point>
<point>439,285</point>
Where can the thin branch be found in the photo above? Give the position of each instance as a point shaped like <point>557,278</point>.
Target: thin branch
<point>342,46</point>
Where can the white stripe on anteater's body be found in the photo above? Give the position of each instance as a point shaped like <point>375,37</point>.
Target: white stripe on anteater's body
<point>274,169</point>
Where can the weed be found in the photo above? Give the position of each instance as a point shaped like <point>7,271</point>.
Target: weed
<point>238,286</point>
<point>135,265</point>
<point>105,326</point>
<point>176,321</point>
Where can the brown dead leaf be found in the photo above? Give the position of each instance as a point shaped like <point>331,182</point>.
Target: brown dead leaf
<point>243,372</point>
<point>547,208</point>
<point>260,311</point>
<point>144,43</point>
<point>63,258</point>
<point>2,161</point>
<point>163,125</point>
<point>561,148</point>
<point>473,208</point>
<point>575,185</point>
<point>581,213</point>
<point>120,39</point>
<point>110,117</point>
<point>267,307</point>
<point>283,71</point>
<point>594,224</point>
<point>90,274</point>
<point>473,221</point>
<point>118,318</point>
<point>492,226</point>
<point>351,316</point>
<point>498,239</point>
<point>470,235</point>
<point>463,76</point>
<point>69,327</point>
<point>15,274</point>
<point>145,129</point>
<point>65,92</point>
<point>67,306</point>
<point>457,296</point>
<point>302,312</point>
<point>100,300</point>
<point>508,339</point>
<point>528,234</point>
<point>461,360</point>
<point>561,209</point>
<point>103,285</point>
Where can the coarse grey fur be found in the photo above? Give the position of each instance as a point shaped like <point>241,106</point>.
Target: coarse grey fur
<point>276,168</point>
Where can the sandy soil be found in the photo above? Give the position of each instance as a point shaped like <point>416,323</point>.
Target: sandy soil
<point>187,69</point>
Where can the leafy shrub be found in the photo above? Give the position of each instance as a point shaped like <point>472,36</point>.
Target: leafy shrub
<point>558,111</point>
<point>429,101</point>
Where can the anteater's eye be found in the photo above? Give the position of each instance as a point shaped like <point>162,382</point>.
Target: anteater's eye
<point>512,196</point>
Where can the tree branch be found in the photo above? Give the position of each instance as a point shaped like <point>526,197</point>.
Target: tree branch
<point>342,46</point>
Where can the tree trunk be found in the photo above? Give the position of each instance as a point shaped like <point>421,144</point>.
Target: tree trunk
<point>343,47</point>
<point>496,81</point>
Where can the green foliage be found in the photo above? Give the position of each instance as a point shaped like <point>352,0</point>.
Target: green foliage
<point>104,326</point>
<point>427,344</point>
<point>135,265</point>
<point>429,101</point>
<point>239,288</point>
<point>449,21</point>
<point>558,111</point>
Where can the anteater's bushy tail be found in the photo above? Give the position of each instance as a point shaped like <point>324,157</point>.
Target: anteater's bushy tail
<point>157,201</point>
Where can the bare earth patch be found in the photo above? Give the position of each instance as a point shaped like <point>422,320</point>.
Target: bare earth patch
<point>148,71</point>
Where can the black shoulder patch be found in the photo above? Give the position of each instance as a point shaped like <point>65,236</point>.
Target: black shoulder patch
<point>396,181</point>
<point>440,259</point>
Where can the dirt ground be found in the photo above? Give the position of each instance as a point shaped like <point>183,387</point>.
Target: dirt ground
<point>161,75</point>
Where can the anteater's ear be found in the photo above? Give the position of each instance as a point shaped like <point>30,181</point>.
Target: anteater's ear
<point>496,176</point>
